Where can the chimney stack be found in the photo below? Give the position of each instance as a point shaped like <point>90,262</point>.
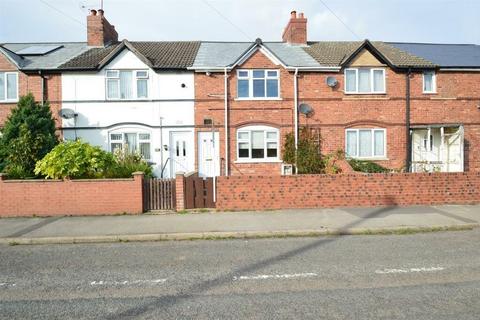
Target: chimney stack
<point>99,31</point>
<point>296,30</point>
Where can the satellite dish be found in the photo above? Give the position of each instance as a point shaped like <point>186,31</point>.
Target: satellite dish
<point>67,113</point>
<point>331,81</point>
<point>305,109</point>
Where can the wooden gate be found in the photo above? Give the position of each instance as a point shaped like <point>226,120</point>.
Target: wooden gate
<point>159,194</point>
<point>198,192</point>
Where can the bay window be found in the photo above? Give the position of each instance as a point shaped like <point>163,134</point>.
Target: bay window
<point>8,86</point>
<point>365,143</point>
<point>127,84</point>
<point>257,143</point>
<point>364,80</point>
<point>429,82</point>
<point>133,141</point>
<point>257,84</point>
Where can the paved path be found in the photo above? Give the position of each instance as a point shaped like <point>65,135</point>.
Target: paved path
<point>234,224</point>
<point>421,276</point>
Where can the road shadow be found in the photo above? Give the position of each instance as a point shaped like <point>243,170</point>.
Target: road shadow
<point>189,292</point>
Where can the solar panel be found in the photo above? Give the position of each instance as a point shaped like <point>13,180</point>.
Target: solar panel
<point>37,50</point>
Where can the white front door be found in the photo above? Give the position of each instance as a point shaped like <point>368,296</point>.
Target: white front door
<point>180,152</point>
<point>208,154</point>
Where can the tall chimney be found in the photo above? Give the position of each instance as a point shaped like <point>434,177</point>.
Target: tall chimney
<point>99,31</point>
<point>296,29</point>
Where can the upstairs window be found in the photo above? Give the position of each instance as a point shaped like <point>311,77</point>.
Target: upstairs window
<point>127,84</point>
<point>365,143</point>
<point>257,143</point>
<point>134,141</point>
<point>429,82</point>
<point>257,84</point>
<point>8,86</point>
<point>364,80</point>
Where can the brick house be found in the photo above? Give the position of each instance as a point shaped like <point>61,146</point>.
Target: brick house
<point>402,105</point>
<point>32,68</point>
<point>224,108</point>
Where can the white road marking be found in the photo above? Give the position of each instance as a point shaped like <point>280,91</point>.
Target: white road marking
<point>7,284</point>
<point>276,276</point>
<point>126,282</point>
<point>409,270</point>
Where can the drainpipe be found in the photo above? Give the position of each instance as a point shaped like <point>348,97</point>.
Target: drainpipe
<point>295,112</point>
<point>407,122</point>
<point>226,122</point>
<point>42,84</point>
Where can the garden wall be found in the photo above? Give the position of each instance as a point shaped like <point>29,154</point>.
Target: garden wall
<point>346,190</point>
<point>71,197</point>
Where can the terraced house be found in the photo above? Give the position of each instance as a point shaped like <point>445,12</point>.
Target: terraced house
<point>224,108</point>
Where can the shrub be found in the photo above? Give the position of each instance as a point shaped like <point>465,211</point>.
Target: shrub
<point>307,158</point>
<point>28,135</point>
<point>75,159</point>
<point>366,166</point>
<point>127,162</point>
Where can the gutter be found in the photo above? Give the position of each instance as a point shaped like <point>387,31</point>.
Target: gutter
<point>226,122</point>
<point>306,69</point>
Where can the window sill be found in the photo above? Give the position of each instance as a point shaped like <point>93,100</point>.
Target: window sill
<point>365,93</point>
<point>258,99</point>
<point>429,93</point>
<point>258,161</point>
<point>8,101</point>
<point>371,158</point>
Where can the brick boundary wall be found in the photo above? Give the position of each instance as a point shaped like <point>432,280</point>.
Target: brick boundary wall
<point>71,197</point>
<point>346,190</point>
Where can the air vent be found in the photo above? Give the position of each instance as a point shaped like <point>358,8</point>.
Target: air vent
<point>207,121</point>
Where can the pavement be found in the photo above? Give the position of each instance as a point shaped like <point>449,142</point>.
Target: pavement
<point>422,276</point>
<point>217,225</point>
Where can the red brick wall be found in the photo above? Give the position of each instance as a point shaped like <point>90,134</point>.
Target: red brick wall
<point>456,101</point>
<point>346,190</point>
<point>71,197</point>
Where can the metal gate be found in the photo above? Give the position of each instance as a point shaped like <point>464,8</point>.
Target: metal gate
<point>159,194</point>
<point>198,192</point>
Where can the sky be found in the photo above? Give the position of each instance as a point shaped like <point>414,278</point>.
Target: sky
<point>439,21</point>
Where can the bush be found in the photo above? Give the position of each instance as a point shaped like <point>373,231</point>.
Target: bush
<point>28,135</point>
<point>75,159</point>
<point>307,158</point>
<point>127,162</point>
<point>367,166</point>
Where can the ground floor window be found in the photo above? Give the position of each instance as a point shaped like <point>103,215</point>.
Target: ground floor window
<point>134,141</point>
<point>365,143</point>
<point>257,143</point>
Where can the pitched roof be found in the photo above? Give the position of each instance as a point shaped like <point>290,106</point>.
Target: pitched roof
<point>336,53</point>
<point>158,55</point>
<point>444,55</point>
<point>49,61</point>
<point>226,54</point>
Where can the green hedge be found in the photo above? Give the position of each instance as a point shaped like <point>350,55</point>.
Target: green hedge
<point>366,166</point>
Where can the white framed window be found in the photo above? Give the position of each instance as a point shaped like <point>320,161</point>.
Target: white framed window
<point>9,86</point>
<point>365,80</point>
<point>126,84</point>
<point>134,141</point>
<point>258,84</point>
<point>365,143</point>
<point>257,143</point>
<point>429,82</point>
<point>428,143</point>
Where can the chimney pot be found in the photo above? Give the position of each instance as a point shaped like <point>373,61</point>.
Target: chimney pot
<point>301,15</point>
<point>293,14</point>
<point>93,12</point>
<point>101,12</point>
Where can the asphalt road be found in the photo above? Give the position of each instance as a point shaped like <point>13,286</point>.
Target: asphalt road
<point>422,276</point>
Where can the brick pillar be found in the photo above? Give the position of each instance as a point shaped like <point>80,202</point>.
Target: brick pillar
<point>3,176</point>
<point>180,191</point>
<point>138,177</point>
